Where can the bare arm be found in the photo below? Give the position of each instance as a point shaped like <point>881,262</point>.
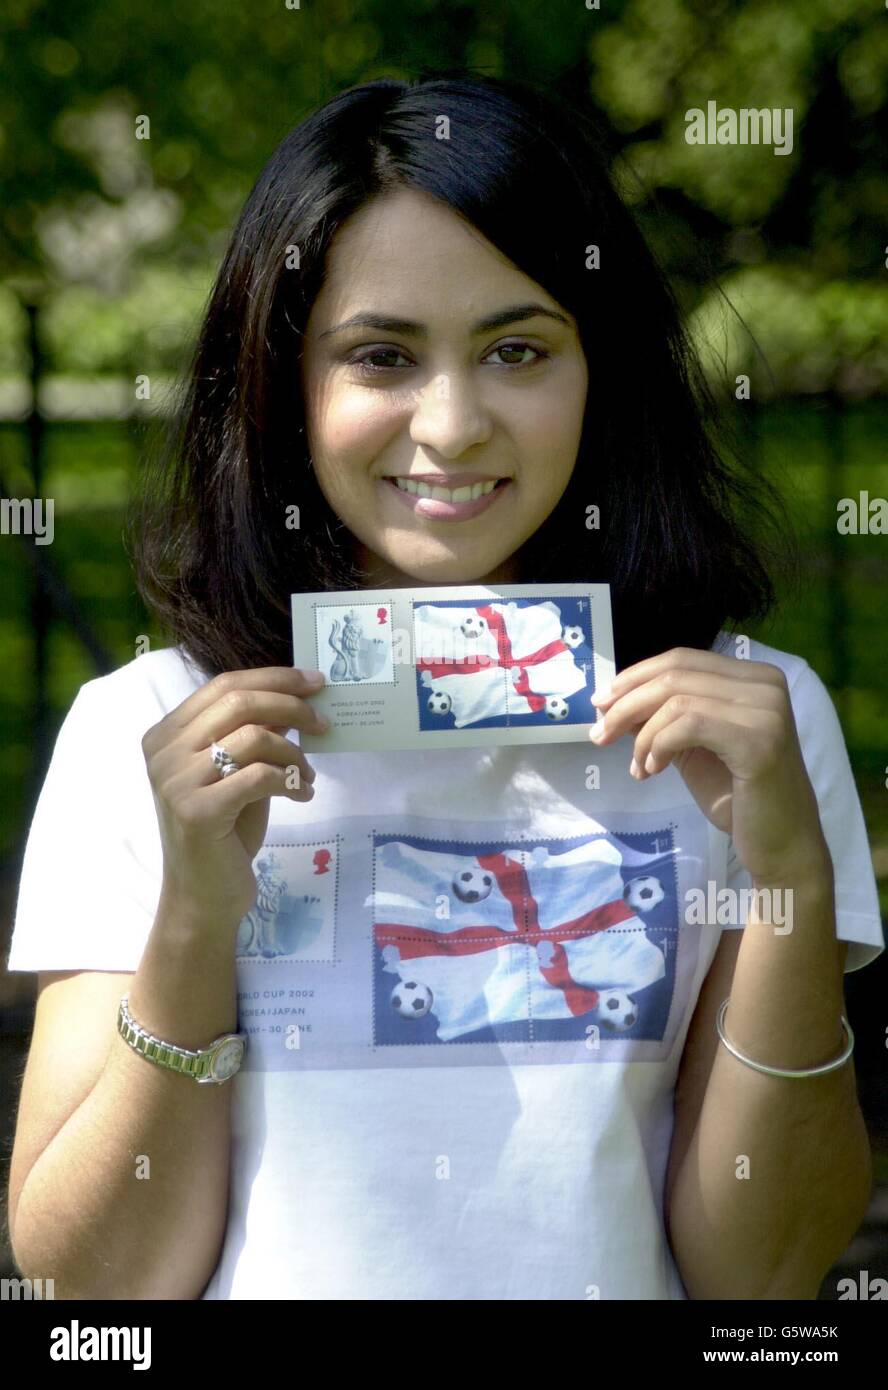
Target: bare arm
<point>809,1173</point>
<point>80,1213</point>
<point>120,1167</point>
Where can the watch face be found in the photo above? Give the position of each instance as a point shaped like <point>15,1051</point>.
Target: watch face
<point>228,1059</point>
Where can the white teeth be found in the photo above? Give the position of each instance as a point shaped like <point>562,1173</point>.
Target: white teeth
<point>460,494</point>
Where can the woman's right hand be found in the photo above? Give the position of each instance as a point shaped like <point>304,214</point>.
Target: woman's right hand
<point>211,826</point>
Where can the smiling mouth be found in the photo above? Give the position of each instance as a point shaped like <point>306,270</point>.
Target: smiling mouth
<point>436,503</point>
<point>464,493</point>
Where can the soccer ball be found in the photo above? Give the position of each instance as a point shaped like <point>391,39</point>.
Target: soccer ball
<point>556,708</point>
<point>643,894</point>
<point>572,636</point>
<point>473,627</point>
<point>616,1010</point>
<point>440,703</point>
<point>410,999</point>
<point>472,885</point>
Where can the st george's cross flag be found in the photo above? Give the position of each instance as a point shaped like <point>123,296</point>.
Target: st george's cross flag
<point>503,665</point>
<point>527,934</point>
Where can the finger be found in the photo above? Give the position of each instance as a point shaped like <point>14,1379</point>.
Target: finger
<point>251,707</point>
<point>250,744</point>
<point>254,744</point>
<point>691,659</point>
<point>698,723</point>
<point>286,680</point>
<point>640,704</point>
<point>222,802</point>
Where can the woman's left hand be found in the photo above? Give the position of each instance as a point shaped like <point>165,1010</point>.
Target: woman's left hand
<point>727,724</point>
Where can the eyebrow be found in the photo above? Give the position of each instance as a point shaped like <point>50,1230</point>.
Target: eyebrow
<point>516,313</point>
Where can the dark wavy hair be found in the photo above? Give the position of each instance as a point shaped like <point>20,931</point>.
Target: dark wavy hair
<point>683,537</point>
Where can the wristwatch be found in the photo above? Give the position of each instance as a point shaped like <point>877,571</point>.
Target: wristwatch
<point>216,1063</point>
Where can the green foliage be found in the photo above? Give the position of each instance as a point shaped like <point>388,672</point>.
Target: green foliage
<point>221,82</point>
<point>793,334</point>
<point>149,326</point>
<point>661,58</point>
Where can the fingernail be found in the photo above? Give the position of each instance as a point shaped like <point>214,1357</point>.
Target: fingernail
<point>650,763</point>
<point>634,769</point>
<point>323,723</point>
<point>596,733</point>
<point>313,677</point>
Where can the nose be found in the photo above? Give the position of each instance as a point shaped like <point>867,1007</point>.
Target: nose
<point>449,417</point>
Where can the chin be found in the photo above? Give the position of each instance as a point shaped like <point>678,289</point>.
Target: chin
<point>447,570</point>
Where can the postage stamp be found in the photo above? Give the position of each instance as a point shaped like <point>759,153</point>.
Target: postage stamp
<point>354,643</point>
<point>455,666</point>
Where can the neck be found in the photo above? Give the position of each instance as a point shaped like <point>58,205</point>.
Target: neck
<point>379,574</point>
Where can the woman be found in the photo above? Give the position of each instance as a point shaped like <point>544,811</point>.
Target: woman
<point>435,285</point>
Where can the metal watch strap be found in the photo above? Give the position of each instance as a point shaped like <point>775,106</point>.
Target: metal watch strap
<point>196,1063</point>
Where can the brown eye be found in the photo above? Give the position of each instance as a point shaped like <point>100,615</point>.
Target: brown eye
<point>378,360</point>
<point>512,352</point>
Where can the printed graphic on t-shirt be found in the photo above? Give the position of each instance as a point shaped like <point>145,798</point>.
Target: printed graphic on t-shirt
<point>404,941</point>
<point>521,943</point>
<point>492,665</point>
<point>294,915</point>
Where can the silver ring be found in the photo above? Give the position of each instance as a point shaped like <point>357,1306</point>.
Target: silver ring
<point>223,762</point>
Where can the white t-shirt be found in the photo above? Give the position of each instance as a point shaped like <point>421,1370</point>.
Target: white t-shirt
<point>466,984</point>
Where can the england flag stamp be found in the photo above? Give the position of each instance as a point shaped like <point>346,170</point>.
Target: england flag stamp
<point>503,665</point>
<point>455,666</point>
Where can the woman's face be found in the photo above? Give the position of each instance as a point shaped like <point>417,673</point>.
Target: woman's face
<point>431,362</point>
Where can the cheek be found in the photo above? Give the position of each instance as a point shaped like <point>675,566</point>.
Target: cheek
<point>550,435</point>
<point>351,426</point>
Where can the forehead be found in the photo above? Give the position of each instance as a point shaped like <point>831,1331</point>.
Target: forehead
<point>408,253</point>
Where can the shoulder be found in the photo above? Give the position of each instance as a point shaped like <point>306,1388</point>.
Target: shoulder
<point>795,668</point>
<point>815,713</point>
<point>166,671</point>
<point>138,694</point>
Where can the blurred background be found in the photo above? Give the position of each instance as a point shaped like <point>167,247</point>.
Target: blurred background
<point>130,135</point>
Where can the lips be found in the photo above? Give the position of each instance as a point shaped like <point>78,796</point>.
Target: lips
<point>426,496</point>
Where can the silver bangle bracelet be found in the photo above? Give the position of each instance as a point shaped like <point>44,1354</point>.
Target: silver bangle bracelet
<point>780,1071</point>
